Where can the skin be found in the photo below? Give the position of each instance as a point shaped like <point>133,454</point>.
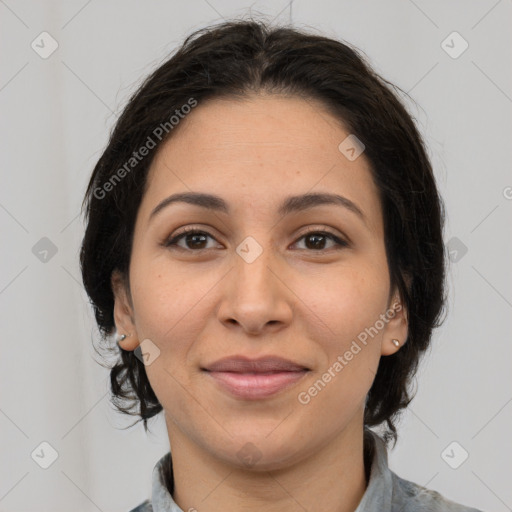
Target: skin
<point>294,300</point>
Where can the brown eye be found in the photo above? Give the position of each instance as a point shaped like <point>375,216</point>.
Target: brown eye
<point>196,240</point>
<point>192,239</point>
<point>317,240</point>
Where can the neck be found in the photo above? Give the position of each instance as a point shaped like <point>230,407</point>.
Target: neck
<point>332,479</point>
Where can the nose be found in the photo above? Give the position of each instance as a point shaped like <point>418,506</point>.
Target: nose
<point>256,297</point>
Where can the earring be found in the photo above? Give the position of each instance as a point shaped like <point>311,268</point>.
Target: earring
<point>395,342</point>
<point>121,338</point>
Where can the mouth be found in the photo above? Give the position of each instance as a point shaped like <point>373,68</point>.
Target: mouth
<point>255,379</point>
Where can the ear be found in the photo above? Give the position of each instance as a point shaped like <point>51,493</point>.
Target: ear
<point>397,327</point>
<point>123,312</point>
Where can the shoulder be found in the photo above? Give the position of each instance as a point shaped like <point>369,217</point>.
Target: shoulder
<point>411,497</point>
<point>145,506</point>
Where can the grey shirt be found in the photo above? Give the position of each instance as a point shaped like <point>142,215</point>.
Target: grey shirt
<point>386,492</point>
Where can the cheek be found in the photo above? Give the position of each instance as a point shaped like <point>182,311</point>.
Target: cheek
<point>170,306</point>
<point>162,293</point>
<point>344,303</point>
<point>343,311</point>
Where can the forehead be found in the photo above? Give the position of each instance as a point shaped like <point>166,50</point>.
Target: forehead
<point>256,125</point>
<point>257,150</point>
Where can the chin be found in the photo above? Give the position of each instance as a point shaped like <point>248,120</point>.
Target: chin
<point>259,453</point>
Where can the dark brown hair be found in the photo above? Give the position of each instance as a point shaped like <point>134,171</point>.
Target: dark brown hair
<point>232,60</point>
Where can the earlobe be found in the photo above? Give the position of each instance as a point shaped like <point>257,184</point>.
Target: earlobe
<point>127,342</point>
<point>123,314</point>
<point>396,331</point>
<point>390,346</point>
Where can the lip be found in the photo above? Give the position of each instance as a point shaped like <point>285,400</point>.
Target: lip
<point>264,364</point>
<point>255,379</point>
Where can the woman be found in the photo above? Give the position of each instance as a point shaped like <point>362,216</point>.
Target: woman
<point>264,235</point>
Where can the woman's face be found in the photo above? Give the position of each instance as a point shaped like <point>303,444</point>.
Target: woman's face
<point>304,280</point>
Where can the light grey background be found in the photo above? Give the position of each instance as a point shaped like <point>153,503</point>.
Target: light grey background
<point>56,116</point>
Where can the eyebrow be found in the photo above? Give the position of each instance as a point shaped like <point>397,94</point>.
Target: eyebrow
<point>290,204</point>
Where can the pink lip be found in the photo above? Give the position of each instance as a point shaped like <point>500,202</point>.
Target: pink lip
<point>255,386</point>
<point>253,379</point>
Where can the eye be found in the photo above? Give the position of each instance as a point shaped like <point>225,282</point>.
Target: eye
<point>317,240</point>
<point>193,239</point>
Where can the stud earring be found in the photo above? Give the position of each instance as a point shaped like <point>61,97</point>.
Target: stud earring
<point>395,342</point>
<point>121,338</point>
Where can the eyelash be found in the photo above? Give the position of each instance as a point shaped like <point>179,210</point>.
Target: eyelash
<point>188,231</point>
